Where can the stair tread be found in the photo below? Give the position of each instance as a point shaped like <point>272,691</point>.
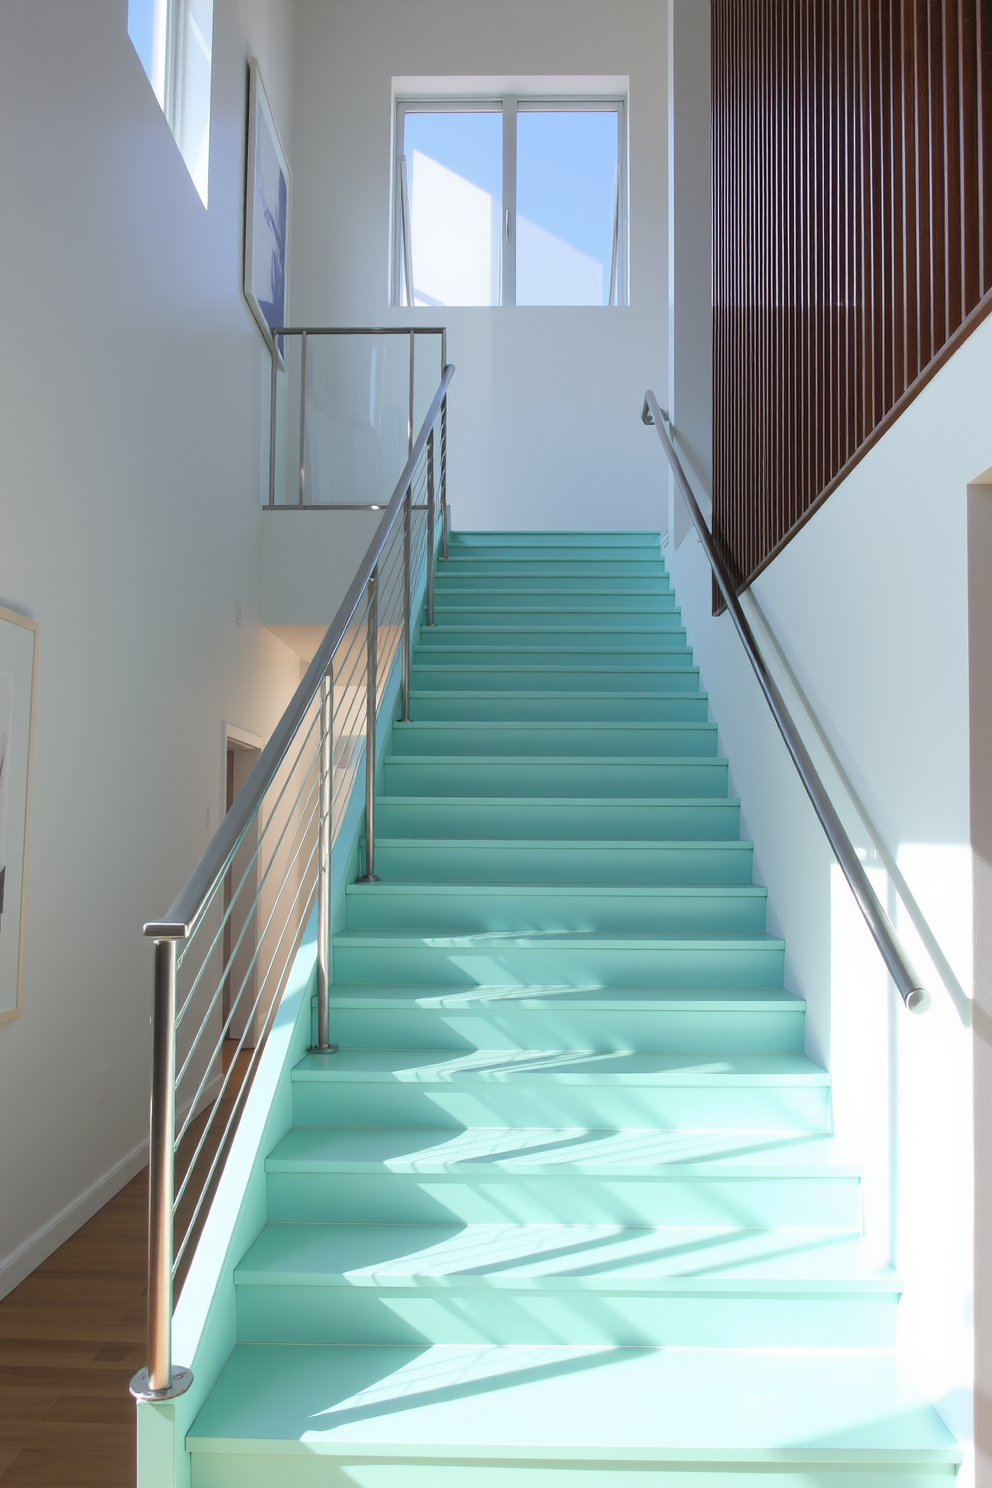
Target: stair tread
<point>574,1402</point>
<point>544,939</point>
<point>657,1153</point>
<point>589,999</point>
<point>564,1067</point>
<point>566,1256</point>
<point>420,887</point>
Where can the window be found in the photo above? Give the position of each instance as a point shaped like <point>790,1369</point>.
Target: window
<point>174,40</point>
<point>510,201</point>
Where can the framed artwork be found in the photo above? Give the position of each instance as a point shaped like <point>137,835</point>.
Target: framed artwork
<point>267,197</point>
<point>18,662</point>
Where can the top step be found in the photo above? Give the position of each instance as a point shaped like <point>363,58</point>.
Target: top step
<point>595,540</point>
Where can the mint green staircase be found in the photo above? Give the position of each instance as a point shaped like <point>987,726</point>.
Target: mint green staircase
<point>564,1211</point>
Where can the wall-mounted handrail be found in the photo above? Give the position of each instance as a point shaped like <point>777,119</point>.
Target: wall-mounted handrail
<point>372,623</point>
<point>900,967</point>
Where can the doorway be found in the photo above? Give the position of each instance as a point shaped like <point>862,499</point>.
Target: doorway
<point>241,752</point>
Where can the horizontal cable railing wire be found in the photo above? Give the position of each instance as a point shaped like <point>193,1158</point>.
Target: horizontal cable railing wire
<point>224,951</point>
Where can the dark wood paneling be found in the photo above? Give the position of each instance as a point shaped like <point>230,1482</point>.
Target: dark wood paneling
<point>852,237</point>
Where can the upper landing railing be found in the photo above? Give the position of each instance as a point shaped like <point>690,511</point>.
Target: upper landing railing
<point>224,949</point>
<point>893,952</point>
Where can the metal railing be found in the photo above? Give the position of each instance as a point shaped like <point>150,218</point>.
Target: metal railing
<point>224,950</point>
<point>307,336</point>
<point>900,967</point>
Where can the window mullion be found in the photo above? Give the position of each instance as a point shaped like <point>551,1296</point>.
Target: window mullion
<point>508,231</point>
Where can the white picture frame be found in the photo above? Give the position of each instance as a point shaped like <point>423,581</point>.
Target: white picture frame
<point>268,199</point>
<point>18,669</point>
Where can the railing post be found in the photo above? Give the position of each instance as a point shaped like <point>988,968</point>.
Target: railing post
<point>160,1381</point>
<point>273,413</point>
<point>413,366</point>
<point>325,800</point>
<point>303,412</point>
<point>444,476</point>
<point>371,690</point>
<point>430,528</point>
<point>407,514</point>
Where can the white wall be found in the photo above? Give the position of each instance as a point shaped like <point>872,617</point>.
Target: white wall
<point>545,399</point>
<point>130,400</point>
<point>870,606</point>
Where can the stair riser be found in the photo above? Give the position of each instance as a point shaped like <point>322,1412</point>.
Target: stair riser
<point>254,1470</point>
<point>401,1315</point>
<point>487,777</point>
<point>652,740</point>
<point>704,821</point>
<point>380,906</point>
<point>549,567</point>
<point>518,622</point>
<point>593,654</point>
<point>788,1108</point>
<point>542,580</point>
<point>591,602</point>
<point>552,636</point>
<point>469,539</point>
<point>533,708</point>
<point>422,860</point>
<point>567,966</point>
<point>543,678</point>
<point>482,1197</point>
<point>508,1028</point>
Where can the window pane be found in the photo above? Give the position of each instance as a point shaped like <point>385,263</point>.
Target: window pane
<point>566,180</point>
<point>455,173</point>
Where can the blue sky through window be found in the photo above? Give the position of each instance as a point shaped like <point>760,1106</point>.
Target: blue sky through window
<point>471,145</point>
<point>566,173</point>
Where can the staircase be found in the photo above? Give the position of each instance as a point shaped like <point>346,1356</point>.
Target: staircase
<point>564,1211</point>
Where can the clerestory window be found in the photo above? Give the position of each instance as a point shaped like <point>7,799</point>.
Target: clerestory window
<point>510,201</point>
<point>174,41</point>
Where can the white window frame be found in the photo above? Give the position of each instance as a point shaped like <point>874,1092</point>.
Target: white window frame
<point>173,21</point>
<point>508,105</point>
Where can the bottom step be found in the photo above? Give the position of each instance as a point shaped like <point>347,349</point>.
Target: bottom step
<point>475,1416</point>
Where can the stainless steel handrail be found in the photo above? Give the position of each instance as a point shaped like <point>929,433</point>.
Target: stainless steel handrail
<point>183,914</point>
<point>161,1380</point>
<point>900,967</point>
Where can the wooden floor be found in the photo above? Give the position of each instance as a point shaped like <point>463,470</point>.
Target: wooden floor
<point>71,1336</point>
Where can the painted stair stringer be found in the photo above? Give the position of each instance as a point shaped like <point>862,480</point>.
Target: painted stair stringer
<point>566,1206</point>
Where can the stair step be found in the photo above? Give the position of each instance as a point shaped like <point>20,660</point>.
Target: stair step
<point>573,958</point>
<point>752,1179</point>
<point>523,909</point>
<point>697,818</point>
<point>664,653</point>
<point>584,1410</point>
<point>518,1283</point>
<point>513,1088</point>
<point>614,1018</point>
<point>554,617</point>
<point>596,776</point>
<point>488,578</point>
<point>543,860</point>
<point>544,678</point>
<point>578,707</point>
<point>580,539</point>
<point>607,596</point>
<point>535,567</point>
<point>492,737</point>
<point>584,639</point>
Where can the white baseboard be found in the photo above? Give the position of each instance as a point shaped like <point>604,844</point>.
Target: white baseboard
<point>39,1246</point>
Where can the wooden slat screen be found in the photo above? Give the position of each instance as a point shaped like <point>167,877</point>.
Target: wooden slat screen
<point>852,237</point>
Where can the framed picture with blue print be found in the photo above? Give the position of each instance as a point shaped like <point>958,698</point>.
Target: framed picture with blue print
<point>267,200</point>
<point>18,664</point>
